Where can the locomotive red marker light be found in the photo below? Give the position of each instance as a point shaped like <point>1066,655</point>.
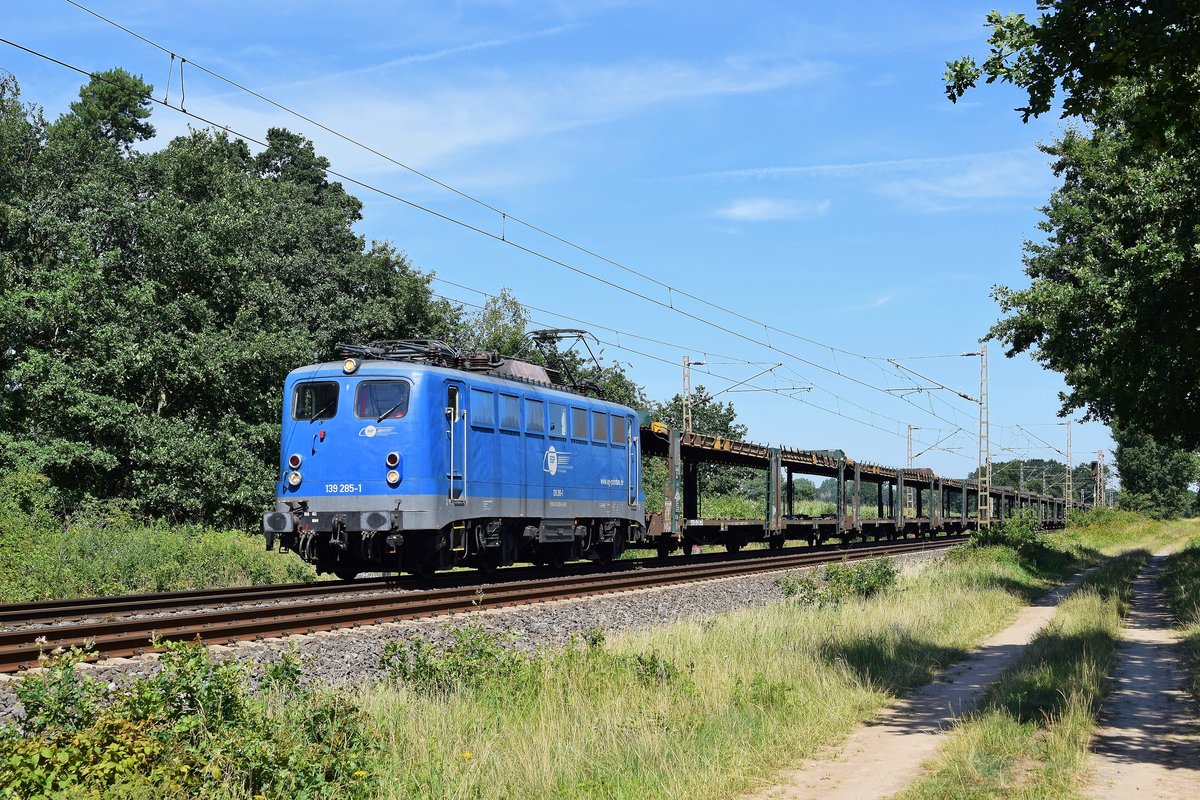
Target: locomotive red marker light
<point>294,461</point>
<point>321,436</point>
<point>393,459</point>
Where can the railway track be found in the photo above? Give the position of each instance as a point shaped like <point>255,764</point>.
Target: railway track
<point>309,608</point>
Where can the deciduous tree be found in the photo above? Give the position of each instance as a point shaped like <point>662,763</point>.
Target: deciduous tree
<point>1155,477</point>
<point>1114,298</point>
<point>153,302</point>
<point>1081,51</point>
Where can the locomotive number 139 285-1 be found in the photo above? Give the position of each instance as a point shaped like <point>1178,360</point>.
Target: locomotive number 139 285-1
<point>343,488</point>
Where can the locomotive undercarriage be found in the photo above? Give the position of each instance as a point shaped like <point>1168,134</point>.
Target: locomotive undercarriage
<point>485,544</point>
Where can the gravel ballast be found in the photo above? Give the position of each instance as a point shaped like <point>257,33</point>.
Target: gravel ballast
<point>350,656</point>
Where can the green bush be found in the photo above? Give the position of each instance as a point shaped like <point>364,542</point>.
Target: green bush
<point>728,506</point>
<point>193,729</point>
<point>838,582</point>
<point>473,658</point>
<point>1019,533</point>
<point>104,548</point>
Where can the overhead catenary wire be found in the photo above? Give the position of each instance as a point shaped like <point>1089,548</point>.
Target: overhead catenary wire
<point>734,381</point>
<point>674,346</point>
<point>550,259</point>
<point>507,216</point>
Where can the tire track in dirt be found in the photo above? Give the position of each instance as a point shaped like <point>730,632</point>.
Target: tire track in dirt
<point>1149,742</point>
<point>885,755</point>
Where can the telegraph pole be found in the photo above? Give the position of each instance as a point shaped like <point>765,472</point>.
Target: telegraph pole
<point>1067,488</point>
<point>687,391</point>
<point>909,490</point>
<point>984,485</point>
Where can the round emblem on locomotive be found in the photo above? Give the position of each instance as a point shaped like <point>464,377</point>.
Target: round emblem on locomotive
<point>551,464</point>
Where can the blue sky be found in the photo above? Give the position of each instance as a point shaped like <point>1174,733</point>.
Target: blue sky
<point>797,163</point>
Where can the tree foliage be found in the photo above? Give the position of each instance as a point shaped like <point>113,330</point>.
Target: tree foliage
<point>1037,470</point>
<point>153,302</point>
<point>1113,301</point>
<point>1155,477</point>
<point>1083,50</point>
<point>1114,298</point>
<point>714,418</point>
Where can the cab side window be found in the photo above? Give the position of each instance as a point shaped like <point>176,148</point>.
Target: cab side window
<point>315,400</point>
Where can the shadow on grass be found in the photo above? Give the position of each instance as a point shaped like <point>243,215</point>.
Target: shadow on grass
<point>1190,646</point>
<point>1050,563</point>
<point>892,661</point>
<point>1038,689</point>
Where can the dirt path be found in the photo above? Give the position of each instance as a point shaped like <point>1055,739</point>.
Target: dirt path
<point>885,755</point>
<point>1149,745</point>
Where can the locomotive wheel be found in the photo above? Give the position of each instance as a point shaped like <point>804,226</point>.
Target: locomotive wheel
<point>346,574</point>
<point>606,553</point>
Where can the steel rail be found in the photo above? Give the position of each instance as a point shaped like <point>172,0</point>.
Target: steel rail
<point>23,614</point>
<point>21,648</point>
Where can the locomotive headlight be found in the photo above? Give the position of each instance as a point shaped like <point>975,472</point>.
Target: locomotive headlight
<point>294,479</point>
<point>393,460</point>
<point>294,461</point>
<point>350,366</point>
<point>393,477</point>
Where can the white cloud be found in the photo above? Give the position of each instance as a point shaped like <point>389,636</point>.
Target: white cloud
<point>1002,177</point>
<point>433,125</point>
<point>763,209</point>
<point>850,168</point>
<point>445,52</point>
<point>870,305</point>
<point>925,183</point>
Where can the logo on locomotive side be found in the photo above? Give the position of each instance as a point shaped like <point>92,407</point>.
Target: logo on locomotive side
<point>372,431</point>
<point>556,460</point>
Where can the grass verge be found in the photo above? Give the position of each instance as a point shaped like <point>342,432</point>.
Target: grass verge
<point>1029,737</point>
<point>104,549</point>
<point>703,709</point>
<point>700,709</point>
<point>1181,582</point>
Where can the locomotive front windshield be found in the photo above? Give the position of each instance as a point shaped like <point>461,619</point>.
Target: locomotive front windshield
<point>380,400</point>
<point>315,400</point>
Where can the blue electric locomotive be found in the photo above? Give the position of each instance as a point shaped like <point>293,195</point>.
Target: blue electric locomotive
<point>407,456</point>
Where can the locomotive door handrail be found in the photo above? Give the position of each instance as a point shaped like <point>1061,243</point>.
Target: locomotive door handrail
<point>456,415</point>
<point>631,476</point>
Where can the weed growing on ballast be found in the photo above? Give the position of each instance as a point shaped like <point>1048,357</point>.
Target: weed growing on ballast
<point>836,583</point>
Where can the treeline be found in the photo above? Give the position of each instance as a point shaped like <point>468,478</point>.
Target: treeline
<point>1154,479</point>
<point>151,303</point>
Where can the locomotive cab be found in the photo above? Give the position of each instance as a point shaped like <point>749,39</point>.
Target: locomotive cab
<point>391,462</point>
